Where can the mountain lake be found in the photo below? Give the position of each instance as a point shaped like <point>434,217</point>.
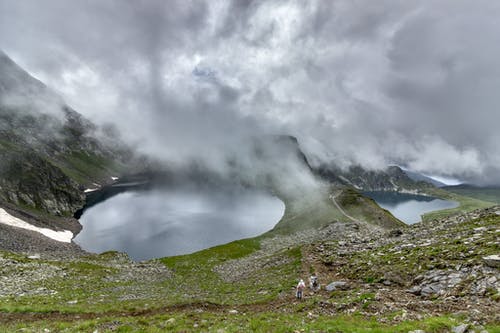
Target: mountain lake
<point>409,207</point>
<point>157,223</point>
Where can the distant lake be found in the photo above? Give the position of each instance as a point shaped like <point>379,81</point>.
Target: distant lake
<point>409,207</point>
<point>158,223</point>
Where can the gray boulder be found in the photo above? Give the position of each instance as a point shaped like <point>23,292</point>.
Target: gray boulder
<point>431,289</point>
<point>492,261</point>
<point>416,290</point>
<point>460,329</point>
<point>337,285</point>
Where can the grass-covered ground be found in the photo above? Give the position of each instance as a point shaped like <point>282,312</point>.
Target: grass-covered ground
<point>491,194</point>
<point>87,167</point>
<point>362,208</point>
<point>224,321</point>
<point>443,249</point>
<point>318,210</point>
<point>466,204</point>
<point>110,282</point>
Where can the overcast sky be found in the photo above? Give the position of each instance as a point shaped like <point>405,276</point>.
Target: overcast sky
<point>415,83</point>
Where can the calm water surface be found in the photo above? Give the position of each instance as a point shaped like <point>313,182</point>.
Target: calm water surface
<point>152,224</point>
<point>409,207</point>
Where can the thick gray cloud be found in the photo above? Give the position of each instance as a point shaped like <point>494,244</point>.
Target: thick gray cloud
<point>373,83</point>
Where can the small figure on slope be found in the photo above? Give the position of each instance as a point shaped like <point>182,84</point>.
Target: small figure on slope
<point>313,283</point>
<point>300,289</point>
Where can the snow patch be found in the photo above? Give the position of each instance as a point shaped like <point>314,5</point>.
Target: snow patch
<point>60,236</point>
<point>90,190</point>
<point>114,178</point>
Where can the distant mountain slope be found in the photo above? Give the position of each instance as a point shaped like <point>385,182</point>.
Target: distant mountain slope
<point>420,177</point>
<point>491,194</point>
<point>48,152</point>
<point>16,82</point>
<point>392,178</point>
<point>395,179</point>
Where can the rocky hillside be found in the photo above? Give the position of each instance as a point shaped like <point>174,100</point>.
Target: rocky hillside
<point>391,179</point>
<point>440,266</point>
<point>48,152</point>
<point>435,277</point>
<point>420,177</point>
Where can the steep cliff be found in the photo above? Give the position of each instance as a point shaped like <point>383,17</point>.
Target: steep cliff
<point>48,152</point>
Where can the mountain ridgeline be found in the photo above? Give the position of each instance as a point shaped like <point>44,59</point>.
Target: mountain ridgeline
<point>393,179</point>
<point>49,154</point>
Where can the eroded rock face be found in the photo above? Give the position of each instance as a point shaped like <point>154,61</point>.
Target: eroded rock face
<point>492,261</point>
<point>46,147</point>
<point>27,179</point>
<point>391,179</point>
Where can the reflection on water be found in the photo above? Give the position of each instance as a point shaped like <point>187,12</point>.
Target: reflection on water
<point>409,207</point>
<point>158,223</point>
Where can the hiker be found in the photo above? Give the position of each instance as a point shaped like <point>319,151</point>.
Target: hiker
<point>313,282</point>
<point>300,288</point>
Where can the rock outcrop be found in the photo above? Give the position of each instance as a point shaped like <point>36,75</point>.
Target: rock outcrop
<point>48,152</point>
<point>492,260</point>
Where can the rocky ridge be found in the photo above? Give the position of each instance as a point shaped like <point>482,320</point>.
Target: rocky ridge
<point>48,151</point>
<point>425,269</point>
<point>433,267</point>
<point>393,179</point>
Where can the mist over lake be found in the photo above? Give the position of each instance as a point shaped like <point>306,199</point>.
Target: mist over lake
<point>409,207</point>
<point>158,223</point>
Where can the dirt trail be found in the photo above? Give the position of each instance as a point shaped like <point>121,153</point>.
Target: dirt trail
<point>333,196</point>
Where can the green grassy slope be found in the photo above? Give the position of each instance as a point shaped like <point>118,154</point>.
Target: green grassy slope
<point>310,212</point>
<point>490,194</point>
<point>197,272</point>
<point>220,321</point>
<point>366,209</point>
<point>103,283</point>
<point>318,210</point>
<point>87,167</point>
<point>466,204</point>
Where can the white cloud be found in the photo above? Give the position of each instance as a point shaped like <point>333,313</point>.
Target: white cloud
<point>413,83</point>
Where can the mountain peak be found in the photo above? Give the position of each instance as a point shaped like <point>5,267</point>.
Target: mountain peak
<point>20,90</point>
<point>15,79</point>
